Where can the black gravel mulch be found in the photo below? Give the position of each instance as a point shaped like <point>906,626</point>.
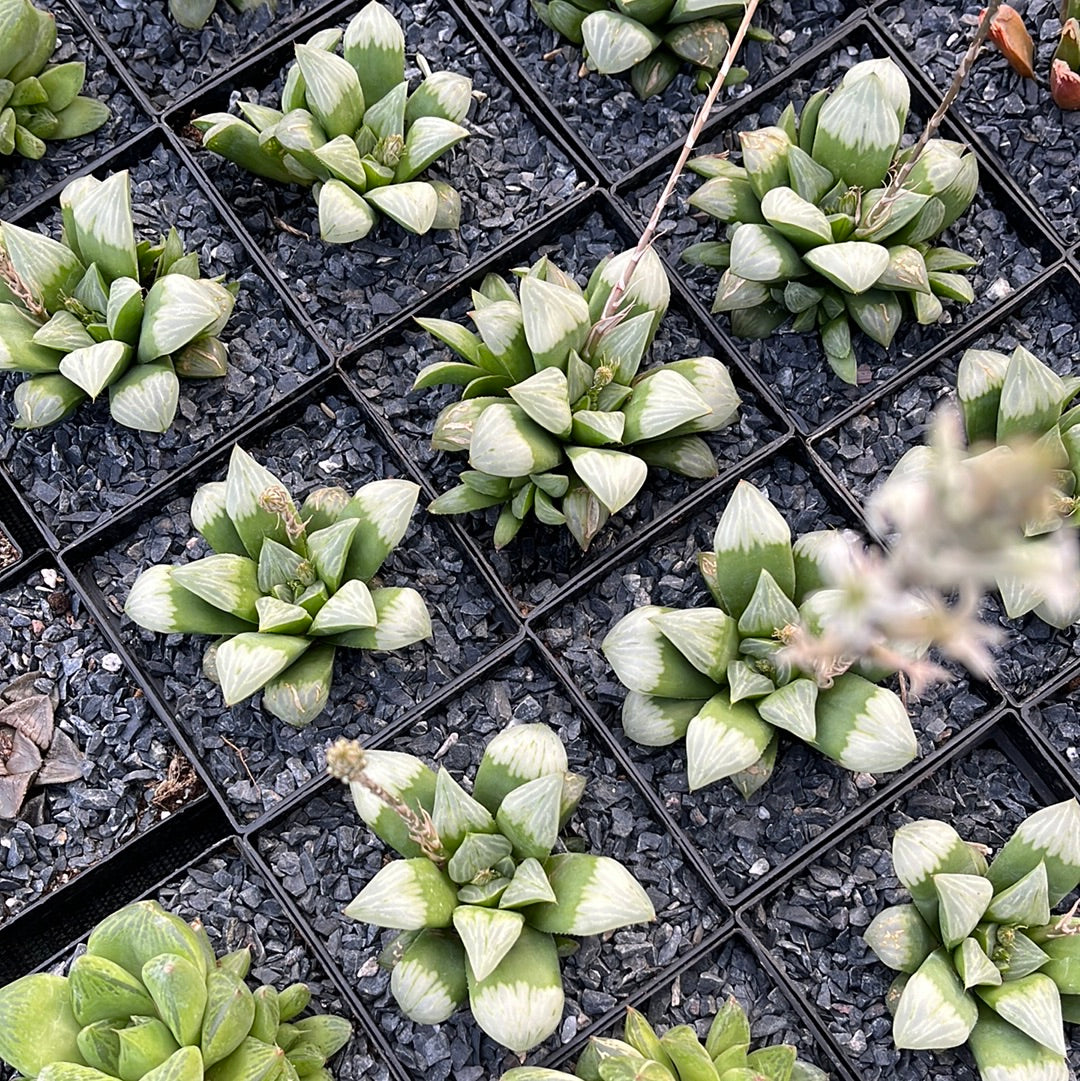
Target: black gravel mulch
<point>66,829</point>
<point>541,558</point>
<point>82,471</point>
<point>510,173</point>
<point>604,112</point>
<point>257,759</point>
<point>21,180</point>
<point>807,793</point>
<point>814,924</point>
<point>324,855</point>
<point>794,364</point>
<point>1033,139</point>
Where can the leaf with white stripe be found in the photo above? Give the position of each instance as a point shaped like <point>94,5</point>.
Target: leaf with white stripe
<point>407,895</point>
<point>159,603</point>
<point>455,813</point>
<point>145,396</point>
<point>528,816</point>
<point>657,722</point>
<point>428,982</point>
<point>556,321</point>
<point>351,608</point>
<point>1052,836</point>
<point>517,755</point>
<point>792,708</point>
<point>375,46</point>
<point>333,91</point>
<point>179,309</point>
<point>661,404</point>
<point>250,660</point>
<point>329,550</point>
<point>864,727</point>
<point>384,509</point>
<point>344,215</point>
<point>405,777</point>
<point>442,93</point>
<point>488,935</point>
<point>402,617</point>
<point>97,366</point>
<point>428,139</point>
<point>125,310</point>
<point>962,901</point>
<point>301,692</point>
<point>245,483</point>
<point>614,42</point>
<point>593,894</point>
<point>545,398</point>
<point>412,205</point>
<point>1004,1054</point>
<point>507,443</point>
<point>613,476</point>
<point>934,1012</point>
<point>104,229</point>
<point>48,268</point>
<point>723,738</point>
<point>900,938</point>
<point>707,637</point>
<point>1026,903</point>
<point>1031,1004</point>
<point>228,582</point>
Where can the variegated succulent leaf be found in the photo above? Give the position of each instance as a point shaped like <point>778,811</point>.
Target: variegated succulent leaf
<point>559,416</point>
<point>351,128</point>
<point>815,235</point>
<point>151,999</point>
<point>285,595</point>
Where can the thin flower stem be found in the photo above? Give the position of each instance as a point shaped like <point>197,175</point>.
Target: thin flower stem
<point>892,192</point>
<point>18,288</point>
<point>692,137</point>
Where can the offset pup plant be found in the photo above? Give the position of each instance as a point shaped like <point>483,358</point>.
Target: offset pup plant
<point>99,311</point>
<point>679,1055</point>
<point>721,677</point>
<point>285,587</point>
<point>556,416</point>
<point>39,101</point>
<point>816,234</point>
<point>651,39</point>
<point>349,129</point>
<point>193,14</point>
<point>481,899</point>
<point>150,1001</point>
<point>980,956</point>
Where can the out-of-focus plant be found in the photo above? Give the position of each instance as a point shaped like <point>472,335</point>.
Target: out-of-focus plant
<point>826,226</point>
<point>98,310</point>
<point>680,1055</point>
<point>721,677</point>
<point>39,101</point>
<point>349,128</point>
<point>1011,36</point>
<point>285,587</point>
<point>557,415</point>
<point>149,1000</point>
<point>482,899</point>
<point>980,956</point>
<point>651,39</point>
<point>193,14</point>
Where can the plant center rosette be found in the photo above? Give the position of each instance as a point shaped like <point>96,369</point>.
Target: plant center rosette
<point>483,900</point>
<point>558,419</point>
<point>719,678</point>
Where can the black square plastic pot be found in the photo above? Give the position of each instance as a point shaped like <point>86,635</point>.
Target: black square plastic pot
<point>79,473</point>
<point>813,923</point>
<point>20,539</point>
<point>252,759</point>
<point>511,172</point>
<point>617,129</point>
<point>323,855</point>
<point>1056,719</point>
<point>23,181</point>
<point>745,842</point>
<point>1011,249</point>
<point>537,565</point>
<point>134,775</point>
<point>1015,118</point>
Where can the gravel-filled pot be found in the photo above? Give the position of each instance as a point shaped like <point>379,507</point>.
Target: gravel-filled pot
<point>133,774</point>
<point>323,855</point>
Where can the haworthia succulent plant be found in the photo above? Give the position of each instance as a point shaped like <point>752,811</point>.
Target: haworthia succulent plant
<point>99,311</point>
<point>39,101</point>
<point>286,588</point>
<point>811,236</point>
<point>718,676</point>
<point>481,897</point>
<point>680,1055</point>
<point>193,14</point>
<point>980,956</point>
<point>561,421</point>
<point>349,128</point>
<point>652,39</point>
<point>1010,399</point>
<point>149,1000</point>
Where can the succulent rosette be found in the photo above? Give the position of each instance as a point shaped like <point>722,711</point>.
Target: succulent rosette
<point>813,234</point>
<point>286,588</point>
<point>99,311</point>
<point>982,960</point>
<point>349,128</point>
<point>652,39</point>
<point>482,897</point>
<point>680,1055</point>
<point>718,676</point>
<point>39,101</point>
<point>560,418</point>
<point>150,1001</point>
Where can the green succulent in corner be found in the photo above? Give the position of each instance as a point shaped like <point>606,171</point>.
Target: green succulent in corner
<point>97,311</point>
<point>981,958</point>
<point>718,676</point>
<point>193,14</point>
<point>285,587</point>
<point>1008,399</point>
<point>482,898</point>
<point>651,39</point>
<point>557,417</point>
<point>39,101</point>
<point>349,128</point>
<point>680,1055</point>
<point>811,236</point>
<point>150,1001</point>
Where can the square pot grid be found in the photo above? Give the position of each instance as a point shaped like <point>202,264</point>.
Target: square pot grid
<point>506,626</point>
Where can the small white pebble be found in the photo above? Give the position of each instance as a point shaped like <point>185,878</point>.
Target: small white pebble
<point>111,662</point>
<point>49,577</point>
<point>999,290</point>
<point>758,867</point>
